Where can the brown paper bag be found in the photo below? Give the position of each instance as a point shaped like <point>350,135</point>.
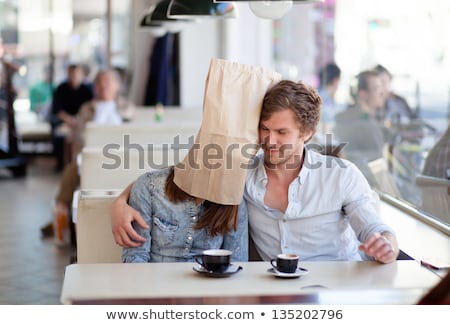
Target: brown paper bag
<point>216,166</point>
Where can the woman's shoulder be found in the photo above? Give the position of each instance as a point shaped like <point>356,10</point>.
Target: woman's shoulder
<point>149,183</point>
<point>154,177</point>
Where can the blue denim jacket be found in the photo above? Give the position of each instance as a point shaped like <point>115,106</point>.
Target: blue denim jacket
<point>172,237</point>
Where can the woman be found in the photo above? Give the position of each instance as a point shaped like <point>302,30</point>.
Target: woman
<point>181,225</point>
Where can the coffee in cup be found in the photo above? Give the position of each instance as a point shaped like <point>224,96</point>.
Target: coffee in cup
<point>214,260</point>
<point>285,263</point>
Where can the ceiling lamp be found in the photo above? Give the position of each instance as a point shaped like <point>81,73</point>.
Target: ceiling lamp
<point>201,8</point>
<point>157,21</point>
<point>271,9</point>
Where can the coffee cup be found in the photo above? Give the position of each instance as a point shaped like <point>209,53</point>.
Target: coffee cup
<point>285,263</point>
<point>214,260</point>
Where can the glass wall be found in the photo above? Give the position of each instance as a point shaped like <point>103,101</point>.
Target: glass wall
<point>387,121</point>
<point>45,36</point>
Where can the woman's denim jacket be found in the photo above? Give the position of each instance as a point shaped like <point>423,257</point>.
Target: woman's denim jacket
<point>172,237</point>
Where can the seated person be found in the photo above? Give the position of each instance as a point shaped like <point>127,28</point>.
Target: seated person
<point>182,226</point>
<point>66,103</point>
<point>329,78</point>
<point>358,127</point>
<point>106,108</point>
<point>395,108</point>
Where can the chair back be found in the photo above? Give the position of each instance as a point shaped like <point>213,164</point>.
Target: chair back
<point>95,241</point>
<point>435,196</point>
<point>115,169</point>
<point>384,179</point>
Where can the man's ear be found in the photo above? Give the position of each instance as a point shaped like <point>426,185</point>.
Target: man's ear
<point>308,135</point>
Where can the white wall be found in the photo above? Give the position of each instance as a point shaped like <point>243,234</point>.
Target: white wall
<point>141,43</point>
<point>198,44</point>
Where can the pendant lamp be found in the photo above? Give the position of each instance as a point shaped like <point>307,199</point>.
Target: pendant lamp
<point>271,9</point>
<point>158,22</point>
<point>201,8</point>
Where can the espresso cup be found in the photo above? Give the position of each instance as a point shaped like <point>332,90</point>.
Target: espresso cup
<point>285,263</point>
<point>214,260</point>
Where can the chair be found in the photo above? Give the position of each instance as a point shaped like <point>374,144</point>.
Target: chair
<point>435,196</point>
<point>385,182</point>
<point>95,241</point>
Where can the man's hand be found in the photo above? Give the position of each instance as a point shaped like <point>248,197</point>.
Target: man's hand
<point>383,247</point>
<point>70,120</point>
<point>122,215</point>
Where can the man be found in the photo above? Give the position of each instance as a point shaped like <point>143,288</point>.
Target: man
<point>358,127</point>
<point>395,108</point>
<point>67,100</point>
<point>329,78</point>
<point>299,201</point>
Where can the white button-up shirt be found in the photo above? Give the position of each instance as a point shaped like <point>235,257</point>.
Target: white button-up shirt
<point>331,210</point>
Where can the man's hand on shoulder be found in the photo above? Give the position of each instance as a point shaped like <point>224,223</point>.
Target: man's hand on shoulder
<point>122,215</point>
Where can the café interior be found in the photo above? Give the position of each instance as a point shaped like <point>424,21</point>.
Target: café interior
<point>163,56</point>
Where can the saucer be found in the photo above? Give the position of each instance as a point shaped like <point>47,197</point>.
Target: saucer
<point>232,269</point>
<point>278,274</point>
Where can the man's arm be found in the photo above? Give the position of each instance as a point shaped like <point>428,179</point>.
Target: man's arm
<point>122,215</point>
<point>382,247</point>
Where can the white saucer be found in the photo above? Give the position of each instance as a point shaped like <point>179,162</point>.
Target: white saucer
<point>278,274</point>
<point>232,269</point>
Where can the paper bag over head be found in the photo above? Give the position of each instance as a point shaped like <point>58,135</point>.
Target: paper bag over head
<point>216,166</point>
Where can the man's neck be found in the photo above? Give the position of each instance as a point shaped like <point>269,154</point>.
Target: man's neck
<point>285,172</point>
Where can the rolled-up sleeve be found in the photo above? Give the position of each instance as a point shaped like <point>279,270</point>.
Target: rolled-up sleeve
<point>360,205</point>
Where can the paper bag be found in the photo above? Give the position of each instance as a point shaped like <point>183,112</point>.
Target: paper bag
<point>216,166</point>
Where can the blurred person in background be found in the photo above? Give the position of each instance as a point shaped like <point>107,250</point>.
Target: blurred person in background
<point>395,107</point>
<point>358,126</point>
<point>329,78</point>
<point>67,100</point>
<point>107,107</point>
<point>41,94</point>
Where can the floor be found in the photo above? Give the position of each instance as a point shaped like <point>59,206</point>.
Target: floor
<point>31,267</point>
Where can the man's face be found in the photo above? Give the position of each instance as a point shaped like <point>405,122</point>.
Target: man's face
<point>281,138</point>
<point>374,95</point>
<point>386,84</point>
<point>75,77</point>
<point>106,87</point>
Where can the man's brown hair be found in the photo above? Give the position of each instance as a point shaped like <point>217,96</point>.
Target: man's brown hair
<point>302,99</point>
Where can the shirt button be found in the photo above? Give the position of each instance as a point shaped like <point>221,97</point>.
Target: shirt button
<point>194,218</point>
<point>190,237</point>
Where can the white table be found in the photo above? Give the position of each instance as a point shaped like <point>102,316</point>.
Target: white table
<point>400,282</point>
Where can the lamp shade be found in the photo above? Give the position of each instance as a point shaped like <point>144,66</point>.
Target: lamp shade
<point>201,8</point>
<point>157,29</point>
<point>158,22</point>
<point>271,9</point>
